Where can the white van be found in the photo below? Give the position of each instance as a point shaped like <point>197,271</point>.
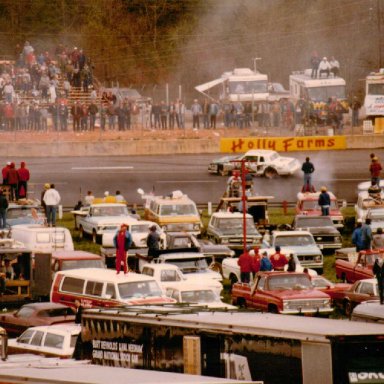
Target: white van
<point>97,287</point>
<point>39,238</point>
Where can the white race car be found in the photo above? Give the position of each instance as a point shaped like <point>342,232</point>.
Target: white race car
<point>261,162</point>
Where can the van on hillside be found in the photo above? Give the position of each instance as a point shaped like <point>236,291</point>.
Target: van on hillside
<point>39,238</point>
<point>98,287</point>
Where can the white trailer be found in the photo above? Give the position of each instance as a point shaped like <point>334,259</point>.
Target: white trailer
<point>374,95</point>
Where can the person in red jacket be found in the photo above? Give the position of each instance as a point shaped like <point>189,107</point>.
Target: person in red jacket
<point>246,265</point>
<point>23,173</point>
<point>375,169</point>
<point>13,181</point>
<point>278,260</point>
<point>4,172</point>
<point>256,260</point>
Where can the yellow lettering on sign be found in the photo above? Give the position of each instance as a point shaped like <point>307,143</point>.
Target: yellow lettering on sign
<point>283,144</point>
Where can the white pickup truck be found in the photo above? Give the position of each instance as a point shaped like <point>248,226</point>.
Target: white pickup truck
<point>101,218</point>
<point>193,266</point>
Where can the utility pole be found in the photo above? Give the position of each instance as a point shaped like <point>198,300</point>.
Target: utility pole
<point>255,59</point>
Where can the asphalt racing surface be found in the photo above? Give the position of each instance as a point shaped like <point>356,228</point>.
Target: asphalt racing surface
<point>340,171</point>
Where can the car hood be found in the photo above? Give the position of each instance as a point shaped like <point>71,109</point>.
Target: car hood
<point>299,294</point>
<point>235,232</point>
<point>320,230</point>
<point>299,250</point>
<point>110,220</point>
<point>224,159</point>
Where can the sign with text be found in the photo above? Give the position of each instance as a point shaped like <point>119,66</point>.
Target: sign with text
<point>283,144</point>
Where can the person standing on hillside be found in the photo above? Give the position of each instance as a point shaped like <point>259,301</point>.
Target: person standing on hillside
<point>122,242</point>
<point>278,259</point>
<point>24,175</point>
<point>355,106</point>
<point>196,112</point>
<point>307,168</point>
<point>366,234</point>
<point>153,242</point>
<point>51,199</point>
<point>245,262</point>
<point>375,169</point>
<point>378,271</point>
<point>324,201</point>
<point>13,181</point>
<point>3,210</point>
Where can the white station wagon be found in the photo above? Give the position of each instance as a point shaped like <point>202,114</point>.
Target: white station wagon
<point>261,162</point>
<point>49,340</point>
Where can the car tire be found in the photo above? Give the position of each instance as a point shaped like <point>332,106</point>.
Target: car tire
<point>94,237</point>
<point>272,309</point>
<point>270,173</point>
<point>233,279</point>
<point>241,303</point>
<point>222,172</point>
<point>348,307</point>
<point>216,267</point>
<point>81,232</point>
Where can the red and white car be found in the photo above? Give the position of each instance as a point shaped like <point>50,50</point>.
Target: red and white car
<point>307,204</point>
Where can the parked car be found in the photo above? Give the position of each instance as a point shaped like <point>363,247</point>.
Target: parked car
<point>30,212</point>
<point>168,274</point>
<point>370,311</point>
<point>366,202</point>
<point>282,292</point>
<point>98,287</point>
<point>364,185</point>
<point>333,290</point>
<point>214,253</point>
<point>322,228</point>
<point>64,260</point>
<point>301,243</point>
<point>47,340</point>
<point>231,269</point>
<point>261,162</point>
<point>360,291</point>
<point>138,229</point>
<point>193,293</point>
<point>307,204</point>
<point>175,212</point>
<point>39,238</point>
<point>35,314</point>
<point>358,266</point>
<point>377,218</point>
<point>101,218</point>
<point>227,228</point>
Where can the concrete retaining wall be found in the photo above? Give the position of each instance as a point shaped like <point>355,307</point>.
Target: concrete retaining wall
<point>143,147</point>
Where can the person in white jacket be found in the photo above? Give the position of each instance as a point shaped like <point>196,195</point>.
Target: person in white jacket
<point>51,199</point>
<point>324,67</point>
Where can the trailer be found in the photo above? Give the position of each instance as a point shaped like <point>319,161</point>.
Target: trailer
<point>374,95</point>
<point>274,348</point>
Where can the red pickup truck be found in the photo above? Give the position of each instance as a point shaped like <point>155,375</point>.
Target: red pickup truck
<point>282,292</point>
<point>359,266</point>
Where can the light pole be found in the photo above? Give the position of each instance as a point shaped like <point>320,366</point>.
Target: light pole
<point>255,59</point>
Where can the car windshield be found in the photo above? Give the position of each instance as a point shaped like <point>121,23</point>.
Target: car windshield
<point>370,259</point>
<point>248,87</point>
<point>294,240</point>
<point>200,296</point>
<point>16,213</point>
<point>178,209</point>
<point>190,265</point>
<point>324,93</point>
<point>321,221</point>
<point>276,283</point>
<point>110,211</point>
<point>75,264</point>
<point>321,282</point>
<point>376,89</point>
<point>139,289</point>
<point>235,224</point>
